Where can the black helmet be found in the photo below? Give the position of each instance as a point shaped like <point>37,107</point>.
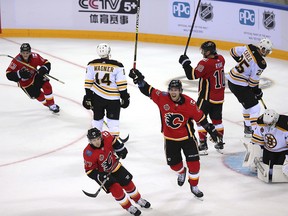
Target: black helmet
<point>176,84</point>
<point>209,46</point>
<point>25,47</point>
<point>93,133</point>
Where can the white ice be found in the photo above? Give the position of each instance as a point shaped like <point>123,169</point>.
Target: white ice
<point>41,165</point>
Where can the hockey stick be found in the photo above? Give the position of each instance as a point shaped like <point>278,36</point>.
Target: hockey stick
<point>94,195</point>
<point>32,68</point>
<point>262,101</point>
<point>191,30</point>
<point>136,34</point>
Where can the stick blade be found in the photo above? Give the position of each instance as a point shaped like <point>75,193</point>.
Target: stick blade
<point>89,194</point>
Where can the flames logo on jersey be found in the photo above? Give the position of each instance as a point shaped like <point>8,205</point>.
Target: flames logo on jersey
<point>173,120</point>
<point>107,164</point>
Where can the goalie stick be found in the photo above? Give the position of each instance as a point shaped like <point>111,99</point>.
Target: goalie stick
<point>94,195</point>
<point>31,67</point>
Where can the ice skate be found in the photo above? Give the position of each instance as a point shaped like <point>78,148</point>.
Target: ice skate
<point>181,177</point>
<point>247,131</point>
<point>143,203</point>
<point>195,190</point>
<point>219,147</point>
<point>203,147</point>
<point>134,210</point>
<point>54,108</point>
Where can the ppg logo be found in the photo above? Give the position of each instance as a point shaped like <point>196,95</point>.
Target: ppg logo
<point>247,17</point>
<point>181,9</point>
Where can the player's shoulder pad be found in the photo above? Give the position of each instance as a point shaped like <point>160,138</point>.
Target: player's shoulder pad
<point>259,59</point>
<point>282,122</point>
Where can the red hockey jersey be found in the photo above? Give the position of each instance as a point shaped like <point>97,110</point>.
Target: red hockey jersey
<point>101,159</point>
<point>177,118</point>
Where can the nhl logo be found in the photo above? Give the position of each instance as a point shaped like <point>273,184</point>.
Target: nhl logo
<point>206,12</point>
<point>269,20</point>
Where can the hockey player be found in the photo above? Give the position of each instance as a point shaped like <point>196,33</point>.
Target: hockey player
<point>101,164</point>
<point>243,79</point>
<point>177,114</point>
<point>210,72</point>
<point>106,90</point>
<point>23,70</point>
<point>271,133</point>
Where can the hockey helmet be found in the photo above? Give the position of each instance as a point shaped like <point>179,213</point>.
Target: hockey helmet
<point>270,117</point>
<point>175,84</point>
<point>25,47</point>
<point>103,50</point>
<point>93,133</point>
<point>209,46</point>
<point>265,46</point>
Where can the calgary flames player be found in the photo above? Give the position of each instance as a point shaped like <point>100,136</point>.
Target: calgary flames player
<point>210,72</point>
<point>23,70</point>
<point>101,164</point>
<point>177,114</point>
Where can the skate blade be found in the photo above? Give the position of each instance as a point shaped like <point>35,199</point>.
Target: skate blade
<point>220,151</point>
<point>203,153</point>
<point>199,198</point>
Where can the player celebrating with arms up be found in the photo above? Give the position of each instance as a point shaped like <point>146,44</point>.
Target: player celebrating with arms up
<point>177,114</point>
<point>102,165</point>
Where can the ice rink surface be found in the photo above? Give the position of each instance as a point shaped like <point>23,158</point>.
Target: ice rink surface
<point>41,165</point>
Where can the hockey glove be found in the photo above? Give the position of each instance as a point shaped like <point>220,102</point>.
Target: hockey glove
<point>87,102</point>
<point>258,92</point>
<point>24,73</point>
<point>136,75</point>
<point>215,136</point>
<point>125,99</point>
<point>42,71</point>
<point>184,61</point>
<point>123,153</point>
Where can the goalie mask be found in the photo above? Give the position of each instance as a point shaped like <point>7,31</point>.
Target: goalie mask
<point>270,117</point>
<point>265,46</point>
<point>103,50</point>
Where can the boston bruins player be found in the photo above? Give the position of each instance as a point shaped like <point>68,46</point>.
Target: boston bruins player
<point>106,89</point>
<point>243,79</point>
<point>271,133</point>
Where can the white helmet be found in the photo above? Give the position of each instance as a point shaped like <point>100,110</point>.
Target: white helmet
<point>270,117</point>
<point>103,50</point>
<point>265,46</point>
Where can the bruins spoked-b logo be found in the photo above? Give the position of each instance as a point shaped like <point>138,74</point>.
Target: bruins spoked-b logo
<point>269,20</point>
<point>173,120</point>
<point>206,12</point>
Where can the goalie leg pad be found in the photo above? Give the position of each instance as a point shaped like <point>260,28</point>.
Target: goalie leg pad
<point>278,175</point>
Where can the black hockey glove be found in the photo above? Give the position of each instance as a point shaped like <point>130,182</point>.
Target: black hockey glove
<point>136,75</point>
<point>24,73</point>
<point>184,61</point>
<point>42,71</point>
<point>258,92</point>
<point>87,102</point>
<point>123,153</point>
<point>125,99</point>
<point>215,136</point>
